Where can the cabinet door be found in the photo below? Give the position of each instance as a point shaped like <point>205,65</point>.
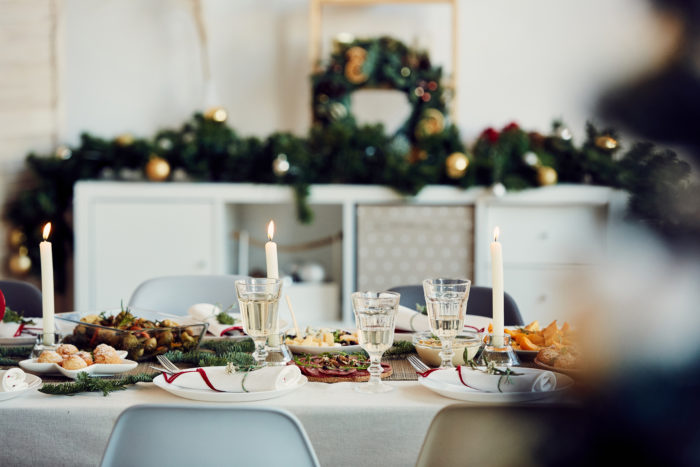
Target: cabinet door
<point>136,240</point>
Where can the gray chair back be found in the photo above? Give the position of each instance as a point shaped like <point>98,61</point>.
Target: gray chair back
<point>175,294</point>
<point>191,435</point>
<point>480,302</point>
<point>22,297</point>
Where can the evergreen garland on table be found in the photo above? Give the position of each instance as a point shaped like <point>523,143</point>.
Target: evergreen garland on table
<point>86,383</point>
<point>426,150</point>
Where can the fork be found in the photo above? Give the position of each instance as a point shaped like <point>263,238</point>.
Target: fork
<point>170,366</point>
<point>417,364</point>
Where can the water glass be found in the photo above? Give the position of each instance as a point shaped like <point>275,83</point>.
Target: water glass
<point>258,300</point>
<point>446,302</point>
<point>375,315</point>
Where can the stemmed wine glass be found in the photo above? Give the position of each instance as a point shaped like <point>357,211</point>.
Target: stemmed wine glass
<point>259,300</point>
<point>375,315</point>
<point>446,301</point>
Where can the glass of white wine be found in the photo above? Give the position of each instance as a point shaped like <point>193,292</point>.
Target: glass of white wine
<point>259,300</point>
<point>446,301</point>
<point>375,315</point>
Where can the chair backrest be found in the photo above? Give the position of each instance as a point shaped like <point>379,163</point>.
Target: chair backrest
<point>503,436</point>
<point>22,297</point>
<point>189,435</point>
<point>175,294</point>
<point>480,302</point>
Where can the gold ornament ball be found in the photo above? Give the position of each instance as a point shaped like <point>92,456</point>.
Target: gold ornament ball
<point>606,142</point>
<point>432,122</point>
<point>17,238</point>
<point>157,169</point>
<point>125,139</point>
<point>546,176</point>
<point>216,114</point>
<point>63,152</point>
<point>280,166</point>
<point>20,264</point>
<point>456,165</point>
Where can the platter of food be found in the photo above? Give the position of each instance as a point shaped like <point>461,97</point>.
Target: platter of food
<point>317,341</point>
<point>142,333</point>
<point>337,367</point>
<point>566,359</point>
<point>69,361</point>
<point>428,347</point>
<point>528,340</point>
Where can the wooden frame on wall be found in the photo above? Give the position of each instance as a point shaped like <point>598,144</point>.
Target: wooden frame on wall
<point>316,20</point>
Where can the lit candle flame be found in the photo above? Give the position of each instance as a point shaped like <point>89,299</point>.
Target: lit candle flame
<point>496,233</point>
<point>47,230</point>
<point>271,230</point>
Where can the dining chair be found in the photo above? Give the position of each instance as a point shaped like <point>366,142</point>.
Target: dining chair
<point>504,436</point>
<point>480,302</point>
<point>22,297</point>
<point>191,435</point>
<point>175,294</point>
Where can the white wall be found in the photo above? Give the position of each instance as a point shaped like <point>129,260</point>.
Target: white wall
<point>134,66</point>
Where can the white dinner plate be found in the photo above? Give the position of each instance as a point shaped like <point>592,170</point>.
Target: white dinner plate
<point>207,395</point>
<point>447,384</point>
<point>33,381</point>
<point>97,369</point>
<point>313,350</point>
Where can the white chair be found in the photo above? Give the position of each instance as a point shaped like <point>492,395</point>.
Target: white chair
<point>175,294</point>
<point>181,435</point>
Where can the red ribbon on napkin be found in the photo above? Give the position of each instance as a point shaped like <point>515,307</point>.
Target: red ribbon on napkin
<point>170,378</point>
<point>2,305</point>
<point>427,372</point>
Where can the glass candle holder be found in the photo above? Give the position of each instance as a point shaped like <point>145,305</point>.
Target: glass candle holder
<point>498,351</point>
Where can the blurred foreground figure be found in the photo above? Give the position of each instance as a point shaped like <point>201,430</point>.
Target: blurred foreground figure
<point>665,105</point>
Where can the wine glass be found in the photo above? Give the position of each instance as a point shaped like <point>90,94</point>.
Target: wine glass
<point>446,301</point>
<point>375,315</point>
<point>259,300</point>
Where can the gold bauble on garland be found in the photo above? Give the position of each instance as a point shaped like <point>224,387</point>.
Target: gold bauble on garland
<point>216,114</point>
<point>157,169</point>
<point>280,166</point>
<point>20,264</point>
<point>431,123</point>
<point>63,152</point>
<point>606,142</point>
<point>546,175</point>
<point>17,238</point>
<point>353,67</point>
<point>125,139</point>
<point>456,165</point>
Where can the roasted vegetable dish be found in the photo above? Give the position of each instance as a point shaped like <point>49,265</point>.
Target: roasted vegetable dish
<point>142,338</point>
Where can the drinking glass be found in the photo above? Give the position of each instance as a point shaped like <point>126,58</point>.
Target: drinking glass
<point>446,301</point>
<point>259,300</point>
<point>375,315</point>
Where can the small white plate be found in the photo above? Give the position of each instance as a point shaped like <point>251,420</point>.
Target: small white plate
<point>96,369</point>
<point>33,381</point>
<point>447,384</point>
<point>206,395</point>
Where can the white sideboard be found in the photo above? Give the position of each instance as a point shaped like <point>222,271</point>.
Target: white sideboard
<point>128,232</point>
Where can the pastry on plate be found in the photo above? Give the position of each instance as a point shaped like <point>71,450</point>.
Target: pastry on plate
<point>87,356</point>
<point>74,362</point>
<point>66,349</point>
<point>49,356</point>
<point>106,354</point>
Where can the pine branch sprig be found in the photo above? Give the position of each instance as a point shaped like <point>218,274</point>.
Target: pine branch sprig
<point>87,383</point>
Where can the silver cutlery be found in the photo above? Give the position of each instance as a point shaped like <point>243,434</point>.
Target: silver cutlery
<point>170,366</point>
<point>159,369</point>
<point>418,364</point>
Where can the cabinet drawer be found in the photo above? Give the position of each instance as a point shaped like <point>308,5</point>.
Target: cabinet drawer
<point>545,294</point>
<point>550,234</point>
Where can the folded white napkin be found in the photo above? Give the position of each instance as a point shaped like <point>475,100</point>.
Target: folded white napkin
<point>529,382</point>
<point>206,312</point>
<point>271,378</point>
<point>411,320</point>
<point>14,380</point>
<point>8,330</point>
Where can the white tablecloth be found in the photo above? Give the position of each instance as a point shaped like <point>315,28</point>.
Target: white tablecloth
<point>345,427</point>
